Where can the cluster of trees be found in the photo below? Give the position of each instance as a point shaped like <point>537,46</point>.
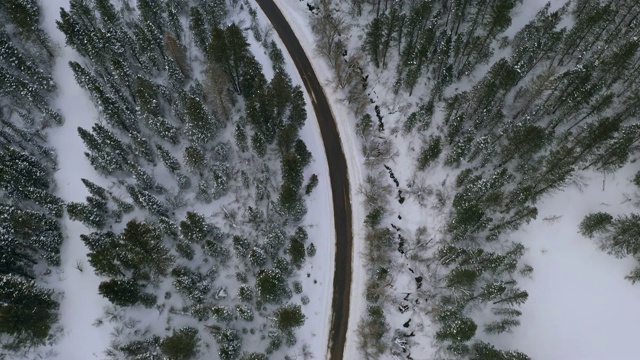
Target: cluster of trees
<point>445,41</point>
<point>558,105</point>
<point>617,236</point>
<point>166,145</point>
<point>30,231</point>
<point>563,100</point>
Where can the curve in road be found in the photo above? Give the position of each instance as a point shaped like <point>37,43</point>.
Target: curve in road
<point>338,175</point>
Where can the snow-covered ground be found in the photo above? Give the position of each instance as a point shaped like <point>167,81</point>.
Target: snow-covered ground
<point>81,304</point>
<point>580,305</point>
<point>297,16</point>
<point>319,219</point>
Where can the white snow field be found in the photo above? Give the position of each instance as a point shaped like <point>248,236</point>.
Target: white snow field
<point>81,304</point>
<point>580,306</point>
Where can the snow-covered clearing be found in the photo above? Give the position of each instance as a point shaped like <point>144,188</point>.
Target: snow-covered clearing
<point>81,304</point>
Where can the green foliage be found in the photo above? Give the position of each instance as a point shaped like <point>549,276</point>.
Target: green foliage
<point>596,223</point>
<point>182,344</point>
<point>276,57</point>
<point>194,285</point>
<point>136,253</point>
<point>636,179</point>
<point>245,293</point>
<point>254,356</point>
<point>28,236</point>
<point>455,327</point>
<point>244,312</point>
<point>430,152</point>
<point>364,127</point>
<point>201,127</point>
<point>292,166</point>
<point>297,287</point>
<point>289,316</point>
<point>420,118</point>
<point>486,351</point>
<point>271,286</point>
<point>622,239</point>
<point>27,310</point>
<point>194,159</point>
<point>241,246</point>
<point>460,277</point>
<point>120,292</point>
<point>229,48</point>
<point>194,228</point>
<point>257,257</point>
<point>500,326</point>
<point>229,344</point>
<point>374,217</point>
<point>170,162</point>
<point>296,251</point>
<point>291,203</point>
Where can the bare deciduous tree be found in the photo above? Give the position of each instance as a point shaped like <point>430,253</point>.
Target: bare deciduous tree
<point>178,53</point>
<point>217,87</point>
<point>328,26</point>
<point>378,150</point>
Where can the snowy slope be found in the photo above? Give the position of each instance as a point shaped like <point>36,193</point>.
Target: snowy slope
<point>81,304</point>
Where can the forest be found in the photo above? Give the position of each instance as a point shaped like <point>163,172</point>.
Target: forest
<point>197,195</point>
<point>196,219</point>
<point>470,120</point>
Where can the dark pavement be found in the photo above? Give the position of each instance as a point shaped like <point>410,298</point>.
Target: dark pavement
<point>338,176</point>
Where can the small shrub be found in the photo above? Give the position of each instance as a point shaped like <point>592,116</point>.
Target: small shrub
<point>311,250</point>
<point>297,287</point>
<point>313,182</point>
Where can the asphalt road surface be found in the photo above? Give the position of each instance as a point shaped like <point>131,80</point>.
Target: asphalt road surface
<point>338,176</point>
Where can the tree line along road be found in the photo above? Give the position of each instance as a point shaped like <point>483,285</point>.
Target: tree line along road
<point>338,175</point>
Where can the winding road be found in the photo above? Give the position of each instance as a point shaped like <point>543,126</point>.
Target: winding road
<point>338,176</point>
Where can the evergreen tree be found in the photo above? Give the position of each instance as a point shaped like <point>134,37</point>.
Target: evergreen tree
<point>170,162</point>
<point>194,159</point>
<point>430,152</point>
<point>229,344</point>
<point>622,239</point>
<point>120,292</point>
<point>27,311</point>
<point>201,127</point>
<point>289,317</point>
<point>486,351</point>
<point>271,286</point>
<point>595,223</point>
<point>182,344</point>
<point>296,251</point>
<point>195,228</point>
<point>455,327</point>
<point>291,203</point>
<point>136,253</point>
<point>229,48</point>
